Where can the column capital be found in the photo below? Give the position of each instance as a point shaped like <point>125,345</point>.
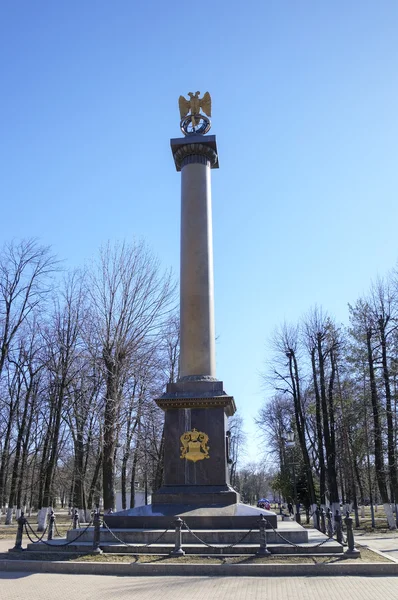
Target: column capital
<point>195,149</point>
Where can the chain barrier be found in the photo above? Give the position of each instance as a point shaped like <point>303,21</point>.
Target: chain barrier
<point>298,545</point>
<point>56,530</point>
<point>135,545</point>
<point>334,526</point>
<point>216,547</point>
<point>38,538</point>
<point>49,543</point>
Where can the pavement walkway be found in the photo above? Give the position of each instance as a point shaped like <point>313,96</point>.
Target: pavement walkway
<point>5,545</point>
<point>19,586</point>
<point>40,586</point>
<point>383,542</point>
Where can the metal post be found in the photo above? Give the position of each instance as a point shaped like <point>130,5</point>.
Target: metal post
<point>18,541</point>
<point>317,516</point>
<point>263,550</point>
<point>51,526</point>
<point>352,551</point>
<point>339,527</point>
<point>323,523</point>
<point>75,519</point>
<point>330,523</point>
<point>97,533</point>
<point>178,551</point>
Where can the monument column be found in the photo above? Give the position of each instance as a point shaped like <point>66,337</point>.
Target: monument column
<point>197,334</point>
<point>195,467</point>
<point>196,406</point>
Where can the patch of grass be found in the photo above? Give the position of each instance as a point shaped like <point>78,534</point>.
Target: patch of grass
<point>63,522</point>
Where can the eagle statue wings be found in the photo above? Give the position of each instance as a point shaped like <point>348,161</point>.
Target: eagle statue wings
<point>194,104</point>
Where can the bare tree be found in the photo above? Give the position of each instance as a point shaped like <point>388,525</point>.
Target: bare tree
<point>63,342</point>
<point>364,329</point>
<point>287,379</point>
<point>129,301</point>
<point>323,342</point>
<point>236,446</point>
<point>25,269</point>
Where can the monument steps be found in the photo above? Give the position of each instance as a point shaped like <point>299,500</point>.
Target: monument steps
<point>291,531</point>
<point>308,541</point>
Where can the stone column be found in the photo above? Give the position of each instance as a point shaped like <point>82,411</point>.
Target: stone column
<point>196,276</point>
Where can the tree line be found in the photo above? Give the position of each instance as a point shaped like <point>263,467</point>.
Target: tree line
<point>82,355</point>
<point>335,387</point>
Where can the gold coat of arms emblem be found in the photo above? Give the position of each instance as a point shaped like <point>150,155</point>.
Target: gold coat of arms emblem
<point>194,445</point>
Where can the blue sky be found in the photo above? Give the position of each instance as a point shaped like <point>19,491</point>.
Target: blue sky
<point>305,99</point>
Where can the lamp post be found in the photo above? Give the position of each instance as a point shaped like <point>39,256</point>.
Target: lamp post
<point>290,443</point>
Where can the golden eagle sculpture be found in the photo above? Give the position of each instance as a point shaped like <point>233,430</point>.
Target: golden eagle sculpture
<point>191,124</point>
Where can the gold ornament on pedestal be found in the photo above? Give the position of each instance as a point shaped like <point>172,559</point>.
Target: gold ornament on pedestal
<point>194,445</point>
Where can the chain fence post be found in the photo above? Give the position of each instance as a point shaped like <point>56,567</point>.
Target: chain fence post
<point>75,519</point>
<point>51,526</point>
<point>330,523</point>
<point>18,540</point>
<point>263,550</point>
<point>97,533</point>
<point>323,523</point>
<point>178,551</point>
<point>339,527</point>
<point>351,551</point>
<point>317,517</point>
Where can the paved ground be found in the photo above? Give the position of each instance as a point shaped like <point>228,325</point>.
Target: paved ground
<point>6,544</point>
<point>384,542</point>
<point>20,586</point>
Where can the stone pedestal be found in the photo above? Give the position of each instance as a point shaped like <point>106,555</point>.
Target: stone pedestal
<point>196,403</point>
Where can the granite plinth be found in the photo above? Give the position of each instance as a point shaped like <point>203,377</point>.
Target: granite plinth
<point>211,470</point>
<point>193,495</point>
<point>232,516</point>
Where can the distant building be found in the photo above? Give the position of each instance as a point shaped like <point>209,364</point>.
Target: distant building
<point>139,499</point>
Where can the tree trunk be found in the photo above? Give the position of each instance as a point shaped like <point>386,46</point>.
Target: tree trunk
<point>321,456</point>
<point>79,496</point>
<point>390,426</point>
<point>5,456</point>
<point>378,443</point>
<point>300,422</point>
<point>94,481</point>
<point>109,447</point>
<point>133,473</point>
<point>124,479</point>
<point>328,423</point>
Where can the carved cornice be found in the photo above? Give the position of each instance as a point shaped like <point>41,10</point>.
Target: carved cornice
<point>195,153</point>
<point>226,402</point>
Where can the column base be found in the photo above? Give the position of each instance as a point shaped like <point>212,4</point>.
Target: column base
<point>205,495</point>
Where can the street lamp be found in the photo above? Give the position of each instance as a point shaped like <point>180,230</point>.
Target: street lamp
<point>290,443</point>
